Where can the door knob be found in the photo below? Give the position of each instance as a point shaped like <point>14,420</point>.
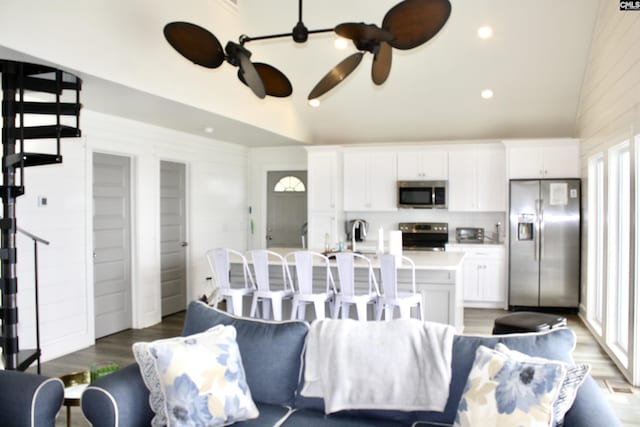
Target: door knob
<point>184,244</point>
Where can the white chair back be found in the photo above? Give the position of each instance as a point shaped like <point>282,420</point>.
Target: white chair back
<point>220,264</point>
<point>260,260</point>
<point>304,270</point>
<point>346,273</point>
<point>389,275</point>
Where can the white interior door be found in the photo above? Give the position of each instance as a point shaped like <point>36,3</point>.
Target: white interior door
<point>112,243</point>
<point>286,208</point>
<point>173,269</point>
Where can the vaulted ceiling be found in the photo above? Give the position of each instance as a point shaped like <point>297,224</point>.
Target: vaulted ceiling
<point>534,63</point>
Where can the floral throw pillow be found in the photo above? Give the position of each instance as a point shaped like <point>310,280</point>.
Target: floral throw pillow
<point>574,379</point>
<point>196,380</point>
<point>504,392</point>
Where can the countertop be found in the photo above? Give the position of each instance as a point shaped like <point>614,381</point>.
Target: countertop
<point>424,260</point>
<point>456,245</point>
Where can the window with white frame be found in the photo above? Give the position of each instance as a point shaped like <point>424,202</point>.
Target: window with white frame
<point>596,247</point>
<point>619,240</point>
<point>289,184</point>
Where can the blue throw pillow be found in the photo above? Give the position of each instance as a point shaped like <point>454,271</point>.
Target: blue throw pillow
<point>271,351</point>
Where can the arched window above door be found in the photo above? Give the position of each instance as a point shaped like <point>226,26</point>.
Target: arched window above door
<point>289,184</point>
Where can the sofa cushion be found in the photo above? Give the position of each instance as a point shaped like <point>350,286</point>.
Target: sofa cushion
<point>271,351</point>
<point>270,415</point>
<point>305,418</point>
<point>199,379</point>
<point>556,344</point>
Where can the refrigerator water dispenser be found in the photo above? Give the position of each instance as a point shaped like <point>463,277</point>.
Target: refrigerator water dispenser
<point>525,231</point>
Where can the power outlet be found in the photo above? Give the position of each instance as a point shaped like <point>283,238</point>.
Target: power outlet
<point>42,201</point>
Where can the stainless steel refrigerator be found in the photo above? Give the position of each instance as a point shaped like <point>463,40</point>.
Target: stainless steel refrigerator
<point>544,243</point>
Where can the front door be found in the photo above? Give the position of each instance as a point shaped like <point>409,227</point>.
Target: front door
<point>286,208</point>
<point>173,269</point>
<point>112,243</point>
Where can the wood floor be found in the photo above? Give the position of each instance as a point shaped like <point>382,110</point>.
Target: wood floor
<point>117,348</point>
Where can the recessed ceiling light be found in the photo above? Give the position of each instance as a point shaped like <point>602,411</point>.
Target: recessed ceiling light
<point>486,94</point>
<point>208,129</point>
<point>485,32</point>
<point>315,102</point>
<point>341,43</point>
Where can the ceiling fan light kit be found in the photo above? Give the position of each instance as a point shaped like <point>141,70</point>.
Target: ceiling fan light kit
<point>406,25</point>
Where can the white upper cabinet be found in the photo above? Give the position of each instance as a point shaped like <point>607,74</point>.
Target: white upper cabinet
<point>477,179</point>
<point>369,180</point>
<point>427,164</point>
<point>325,215</point>
<point>544,158</point>
<point>322,178</point>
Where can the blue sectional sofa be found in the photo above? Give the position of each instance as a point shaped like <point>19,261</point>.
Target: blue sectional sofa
<point>29,400</point>
<point>272,357</point>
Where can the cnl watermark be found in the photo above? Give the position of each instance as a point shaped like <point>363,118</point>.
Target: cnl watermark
<point>629,5</point>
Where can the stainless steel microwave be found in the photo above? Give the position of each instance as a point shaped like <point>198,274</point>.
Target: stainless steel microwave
<point>422,194</point>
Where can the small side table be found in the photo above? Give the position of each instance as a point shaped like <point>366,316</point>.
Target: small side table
<point>74,385</point>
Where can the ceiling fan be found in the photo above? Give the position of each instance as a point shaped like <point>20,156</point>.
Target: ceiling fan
<point>408,24</point>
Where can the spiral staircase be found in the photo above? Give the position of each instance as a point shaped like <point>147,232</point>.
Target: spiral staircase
<point>40,105</point>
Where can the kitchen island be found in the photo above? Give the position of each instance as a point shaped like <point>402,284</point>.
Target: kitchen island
<point>438,279</point>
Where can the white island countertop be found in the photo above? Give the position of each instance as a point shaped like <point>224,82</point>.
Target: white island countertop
<point>424,260</point>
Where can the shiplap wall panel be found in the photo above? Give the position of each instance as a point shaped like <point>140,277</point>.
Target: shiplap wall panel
<point>609,110</point>
<point>610,92</point>
<point>217,200</point>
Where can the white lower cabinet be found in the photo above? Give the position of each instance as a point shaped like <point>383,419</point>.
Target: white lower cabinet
<point>483,275</point>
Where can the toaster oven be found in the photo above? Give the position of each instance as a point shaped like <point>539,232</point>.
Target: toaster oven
<point>469,235</point>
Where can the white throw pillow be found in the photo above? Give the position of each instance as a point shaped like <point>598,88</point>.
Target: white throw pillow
<point>196,380</point>
<point>574,379</point>
<point>503,392</point>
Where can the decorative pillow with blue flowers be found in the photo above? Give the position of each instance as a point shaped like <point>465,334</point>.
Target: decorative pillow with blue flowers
<point>576,375</point>
<point>196,380</point>
<point>501,391</point>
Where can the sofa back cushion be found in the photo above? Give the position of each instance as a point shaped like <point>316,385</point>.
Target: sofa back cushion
<point>556,344</point>
<point>271,351</point>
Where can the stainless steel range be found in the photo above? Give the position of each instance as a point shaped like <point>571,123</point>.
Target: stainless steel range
<point>424,236</point>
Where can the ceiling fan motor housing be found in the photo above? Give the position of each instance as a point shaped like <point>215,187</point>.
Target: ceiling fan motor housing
<point>300,33</point>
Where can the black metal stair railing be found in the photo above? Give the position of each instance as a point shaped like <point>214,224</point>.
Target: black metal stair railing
<point>26,357</point>
<point>18,77</point>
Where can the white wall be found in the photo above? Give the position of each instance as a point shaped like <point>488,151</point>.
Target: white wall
<point>216,198</point>
<point>262,160</point>
<point>609,110</point>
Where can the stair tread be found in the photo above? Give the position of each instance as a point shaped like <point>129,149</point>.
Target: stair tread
<point>65,108</point>
<point>48,131</point>
<point>33,159</point>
